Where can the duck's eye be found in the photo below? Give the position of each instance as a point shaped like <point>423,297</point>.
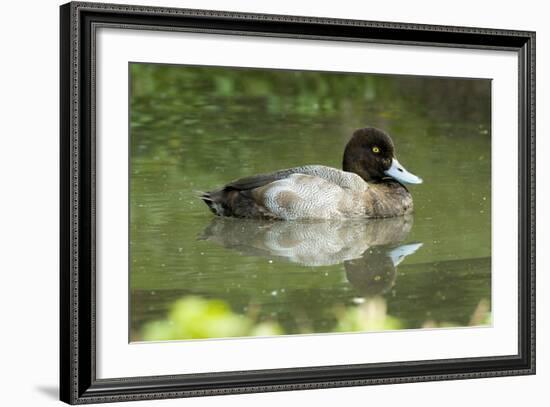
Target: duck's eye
<point>376,150</point>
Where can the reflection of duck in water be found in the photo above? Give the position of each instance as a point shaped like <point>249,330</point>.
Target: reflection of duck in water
<point>371,185</point>
<point>376,271</point>
<point>368,248</point>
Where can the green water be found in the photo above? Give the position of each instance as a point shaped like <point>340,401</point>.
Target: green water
<point>196,128</point>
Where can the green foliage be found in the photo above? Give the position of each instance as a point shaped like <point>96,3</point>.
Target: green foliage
<point>370,316</point>
<point>193,317</point>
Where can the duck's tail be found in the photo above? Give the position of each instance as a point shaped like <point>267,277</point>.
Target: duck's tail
<point>230,202</point>
<point>210,200</point>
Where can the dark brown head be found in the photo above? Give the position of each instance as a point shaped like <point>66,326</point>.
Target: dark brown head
<point>370,153</point>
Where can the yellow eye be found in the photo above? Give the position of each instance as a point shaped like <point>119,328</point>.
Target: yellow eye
<point>376,150</point>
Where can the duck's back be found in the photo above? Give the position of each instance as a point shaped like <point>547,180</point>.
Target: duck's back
<point>313,191</point>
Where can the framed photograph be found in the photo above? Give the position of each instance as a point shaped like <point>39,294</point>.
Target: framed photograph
<point>255,203</point>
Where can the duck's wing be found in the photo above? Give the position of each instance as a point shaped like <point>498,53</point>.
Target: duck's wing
<point>338,177</point>
<point>259,180</point>
<point>249,196</point>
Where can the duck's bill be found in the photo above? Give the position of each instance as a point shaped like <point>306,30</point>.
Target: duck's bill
<point>398,172</point>
<point>398,254</point>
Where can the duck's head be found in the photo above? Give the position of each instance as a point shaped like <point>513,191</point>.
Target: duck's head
<point>370,153</point>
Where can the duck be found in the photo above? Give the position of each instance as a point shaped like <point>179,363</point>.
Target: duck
<point>371,184</point>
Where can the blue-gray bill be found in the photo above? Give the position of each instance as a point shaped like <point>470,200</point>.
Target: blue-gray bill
<point>398,172</point>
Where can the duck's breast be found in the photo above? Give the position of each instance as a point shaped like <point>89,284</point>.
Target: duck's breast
<point>388,199</point>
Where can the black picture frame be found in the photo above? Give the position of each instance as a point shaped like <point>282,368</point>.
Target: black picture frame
<point>78,382</point>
